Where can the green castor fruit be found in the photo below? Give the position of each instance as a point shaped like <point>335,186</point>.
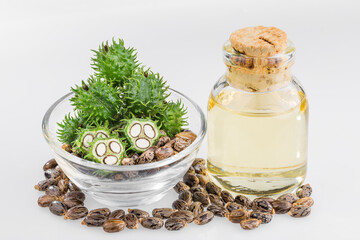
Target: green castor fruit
<point>87,136</point>
<point>108,151</point>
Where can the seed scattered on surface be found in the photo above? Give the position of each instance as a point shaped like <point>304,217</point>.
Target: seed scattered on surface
<point>300,211</point>
<point>243,201</point>
<point>216,200</point>
<point>288,197</point>
<point>52,173</point>
<point>226,196</point>
<point>304,191</point>
<point>251,223</point>
<point>94,220</point>
<point>203,180</point>
<point>53,191</point>
<point>200,169</point>
<point>75,195</point>
<point>76,212</point>
<point>306,201</point>
<point>262,205</point>
<point>181,186</point>
<point>45,200</point>
<point>139,213</point>
<point>131,221</point>
<point>197,189</point>
<point>198,161</point>
<point>281,207</point>
<point>73,187</point>
<point>201,197</point>
<point>263,216</point>
<point>44,184</point>
<point>268,199</point>
<point>186,215</point>
<point>237,215</point>
<point>231,206</point>
<point>186,196</point>
<point>175,224</point>
<point>163,212</point>
<point>113,225</point>
<point>69,203</point>
<point>213,189</point>
<point>196,208</point>
<point>204,218</point>
<point>152,223</point>
<point>57,208</point>
<point>190,180</point>
<point>217,210</point>
<point>117,214</point>
<point>180,205</point>
<point>63,185</point>
<point>101,212</point>
<point>50,164</point>
<point>191,170</point>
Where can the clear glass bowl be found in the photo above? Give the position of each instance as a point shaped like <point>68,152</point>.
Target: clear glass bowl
<point>124,185</point>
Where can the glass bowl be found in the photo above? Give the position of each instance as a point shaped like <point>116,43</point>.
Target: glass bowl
<point>124,185</point>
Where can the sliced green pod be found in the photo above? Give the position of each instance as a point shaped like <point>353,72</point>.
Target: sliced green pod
<point>87,136</point>
<point>141,133</point>
<point>108,151</point>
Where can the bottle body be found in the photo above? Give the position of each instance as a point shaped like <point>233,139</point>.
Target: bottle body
<point>257,141</point>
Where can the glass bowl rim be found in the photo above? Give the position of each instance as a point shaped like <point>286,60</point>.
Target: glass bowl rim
<point>86,163</point>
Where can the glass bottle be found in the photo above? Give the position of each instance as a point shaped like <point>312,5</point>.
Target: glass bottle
<point>258,125</point>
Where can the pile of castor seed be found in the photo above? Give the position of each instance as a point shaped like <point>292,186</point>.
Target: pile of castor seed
<point>196,192</point>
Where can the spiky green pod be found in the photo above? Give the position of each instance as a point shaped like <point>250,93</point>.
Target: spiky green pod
<point>114,62</point>
<point>87,136</point>
<point>69,127</point>
<point>173,119</point>
<point>141,133</point>
<point>97,99</point>
<point>145,94</point>
<point>108,151</point>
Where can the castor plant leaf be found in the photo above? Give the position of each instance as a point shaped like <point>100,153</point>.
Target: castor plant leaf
<point>68,130</point>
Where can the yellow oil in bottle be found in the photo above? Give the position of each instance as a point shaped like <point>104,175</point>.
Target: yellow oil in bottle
<point>261,149</point>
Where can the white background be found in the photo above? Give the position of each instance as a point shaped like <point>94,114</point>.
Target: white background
<point>45,49</point>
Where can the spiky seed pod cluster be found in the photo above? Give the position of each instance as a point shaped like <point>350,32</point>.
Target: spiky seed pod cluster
<point>108,151</point>
<point>141,133</point>
<point>69,127</point>
<point>173,119</point>
<point>88,135</point>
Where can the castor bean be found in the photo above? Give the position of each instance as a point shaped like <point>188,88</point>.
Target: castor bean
<point>146,156</point>
<point>128,161</point>
<point>45,200</point>
<point>131,221</point>
<point>191,170</point>
<point>236,216</point>
<point>50,164</point>
<point>226,196</point>
<point>53,191</point>
<point>180,205</point>
<point>183,214</point>
<point>113,225</point>
<point>281,207</point>
<point>306,201</point>
<point>76,212</point>
<point>203,179</point>
<point>62,174</point>
<point>181,186</point>
<point>187,135</point>
<point>196,208</point>
<point>69,202</point>
<point>181,143</point>
<point>249,224</point>
<point>57,208</point>
<point>200,161</point>
<point>300,211</point>
<point>94,220</point>
<point>164,152</point>
<point>304,191</point>
<point>186,196</point>
<point>200,169</point>
<point>152,223</point>
<point>67,147</point>
<point>243,201</point>
<point>75,195</point>
<point>52,173</point>
<point>268,199</point>
<point>118,176</point>
<point>101,212</point>
<point>162,141</point>
<point>288,197</point>
<point>139,213</point>
<point>213,189</point>
<point>216,200</point>
<point>217,210</point>
<point>63,185</point>
<point>265,217</point>
<point>190,179</point>
<point>170,144</point>
<point>117,214</point>
<point>204,218</point>
<point>73,187</point>
<point>201,197</point>
<point>44,184</point>
<point>163,212</point>
<point>262,205</point>
<point>231,206</point>
<point>198,189</point>
<point>175,224</point>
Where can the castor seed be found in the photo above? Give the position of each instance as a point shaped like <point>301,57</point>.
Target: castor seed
<point>306,201</point>
<point>196,208</point>
<point>236,216</point>
<point>73,187</point>
<point>191,170</point>
<point>304,191</point>
<point>288,197</point>
<point>181,186</point>
<point>180,205</point>
<point>175,224</point>
<point>243,201</point>
<point>204,218</point>
<point>281,207</point>
<point>190,179</point>
<point>76,212</point>
<point>263,216</point>
<point>53,191</point>
<point>101,212</point>
<point>197,189</point>
<point>197,161</point>
<point>152,223</point>
<point>63,185</point>
<point>75,195</point>
<point>183,214</point>
<point>217,210</point>
<point>139,213</point>
<point>44,184</point>
<point>200,169</point>
<point>50,164</point>
<point>94,220</point>
<point>262,205</point>
<point>226,196</point>
<point>117,214</point>
<point>186,196</point>
<point>57,208</point>
<point>231,206</point>
<point>52,173</point>
<point>203,179</point>
<point>163,212</point>
<point>113,225</point>
<point>249,224</point>
<point>300,211</point>
<point>69,203</point>
<point>268,199</point>
<point>216,200</point>
<point>131,221</point>
<point>45,200</point>
<point>213,189</point>
<point>164,152</point>
<point>201,197</point>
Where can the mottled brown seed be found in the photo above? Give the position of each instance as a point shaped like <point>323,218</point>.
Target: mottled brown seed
<point>152,223</point>
<point>213,189</point>
<point>263,216</point>
<point>163,212</point>
<point>262,205</point>
<point>204,218</point>
<point>198,161</point>
<point>69,203</point>
<point>175,224</point>
<point>118,177</point>
<point>196,208</point>
<point>187,135</point>
<point>101,212</point>
<point>191,170</point>
<point>281,207</point>
<point>45,200</point>
<point>249,224</point>
<point>73,187</point>
<point>180,205</point>
<point>57,208</point>
<point>50,164</point>
<point>139,213</point>
<point>181,143</point>
<point>67,147</point>
<point>203,180</point>
<point>164,152</point>
<point>63,185</point>
<point>94,220</point>
<point>128,161</point>
<point>76,212</point>
<point>183,214</point>
<point>288,197</point>
<point>75,195</point>
<point>190,179</point>
<point>52,173</point>
<point>131,221</point>
<point>200,169</point>
<point>236,216</point>
<point>231,206</point>
<point>162,141</point>
<point>304,191</point>
<point>217,210</point>
<point>226,196</point>
<point>300,211</point>
<point>306,201</point>
<point>197,189</point>
<point>268,199</point>
<point>186,196</point>
<point>113,225</point>
<point>44,184</point>
<point>181,186</point>
<point>117,214</point>
<point>216,200</point>
<point>146,156</point>
<point>243,201</point>
<point>53,191</point>
<point>201,197</point>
